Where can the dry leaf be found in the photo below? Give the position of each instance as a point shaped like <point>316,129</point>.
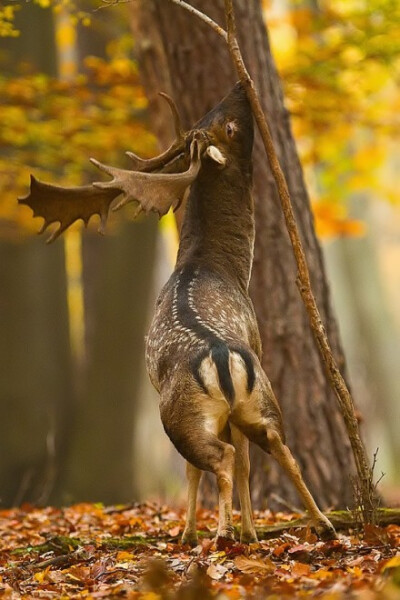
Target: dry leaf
<point>254,565</point>
<point>300,570</point>
<point>392,563</point>
<point>216,571</point>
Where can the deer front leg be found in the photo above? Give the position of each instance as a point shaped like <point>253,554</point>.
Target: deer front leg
<point>282,454</point>
<point>242,472</point>
<point>190,533</point>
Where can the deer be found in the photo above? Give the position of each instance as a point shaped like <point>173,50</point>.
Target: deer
<point>203,348</point>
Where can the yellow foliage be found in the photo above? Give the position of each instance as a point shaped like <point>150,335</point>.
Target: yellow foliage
<point>40,576</point>
<point>66,35</point>
<point>7,28</point>
<point>339,74</point>
<point>51,128</point>
<point>339,61</point>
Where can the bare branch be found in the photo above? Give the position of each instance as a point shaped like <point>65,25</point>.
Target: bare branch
<point>217,28</point>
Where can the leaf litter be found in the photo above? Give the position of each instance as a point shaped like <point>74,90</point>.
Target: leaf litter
<point>90,551</point>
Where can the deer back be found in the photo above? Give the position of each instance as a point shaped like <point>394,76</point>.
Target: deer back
<point>204,309</point>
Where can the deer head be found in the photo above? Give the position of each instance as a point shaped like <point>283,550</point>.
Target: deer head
<point>157,184</point>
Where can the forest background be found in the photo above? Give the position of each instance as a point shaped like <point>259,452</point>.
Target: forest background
<point>79,418</point>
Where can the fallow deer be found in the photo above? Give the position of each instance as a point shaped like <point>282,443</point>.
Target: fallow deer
<point>203,349</point>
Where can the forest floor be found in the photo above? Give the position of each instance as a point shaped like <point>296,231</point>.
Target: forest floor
<point>90,551</point>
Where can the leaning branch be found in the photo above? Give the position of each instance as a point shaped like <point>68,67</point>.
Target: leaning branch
<point>303,276</point>
<point>217,28</point>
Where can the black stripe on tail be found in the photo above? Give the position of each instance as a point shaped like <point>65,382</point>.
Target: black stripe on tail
<point>220,355</point>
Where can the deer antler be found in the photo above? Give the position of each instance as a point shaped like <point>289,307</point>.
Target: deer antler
<point>67,205</point>
<point>176,147</point>
<point>154,191</point>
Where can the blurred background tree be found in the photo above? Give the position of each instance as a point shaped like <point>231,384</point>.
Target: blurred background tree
<point>79,419</point>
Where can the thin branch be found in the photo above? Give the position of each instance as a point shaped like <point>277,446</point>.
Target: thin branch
<point>108,3</point>
<point>217,28</point>
<point>203,17</point>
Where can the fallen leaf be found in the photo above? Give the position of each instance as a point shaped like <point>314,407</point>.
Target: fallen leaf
<point>322,574</point>
<point>224,544</point>
<point>122,556</point>
<point>300,570</point>
<point>216,571</point>
<point>40,576</point>
<point>254,565</point>
<point>392,563</point>
<point>375,535</point>
<point>301,552</point>
<point>279,550</point>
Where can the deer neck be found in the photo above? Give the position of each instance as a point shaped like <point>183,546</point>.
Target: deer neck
<point>218,227</point>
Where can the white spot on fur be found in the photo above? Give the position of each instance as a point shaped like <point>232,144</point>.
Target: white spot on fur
<point>238,371</point>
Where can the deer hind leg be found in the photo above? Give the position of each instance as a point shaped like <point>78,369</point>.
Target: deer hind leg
<point>205,451</point>
<point>190,533</point>
<point>224,473</point>
<point>242,472</point>
<point>259,419</point>
<point>284,457</point>
<point>211,454</point>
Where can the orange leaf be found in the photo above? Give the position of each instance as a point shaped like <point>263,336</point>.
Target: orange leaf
<point>123,556</point>
<point>254,565</point>
<point>300,570</point>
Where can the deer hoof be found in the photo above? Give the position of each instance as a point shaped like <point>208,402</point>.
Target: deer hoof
<point>190,538</point>
<point>248,537</point>
<point>325,529</point>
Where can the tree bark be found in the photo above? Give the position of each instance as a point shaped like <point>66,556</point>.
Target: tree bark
<point>189,61</point>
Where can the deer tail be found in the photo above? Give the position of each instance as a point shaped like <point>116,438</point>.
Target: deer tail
<point>223,368</point>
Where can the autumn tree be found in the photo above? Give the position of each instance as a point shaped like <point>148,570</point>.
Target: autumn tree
<point>170,60</point>
<point>73,412</point>
<point>36,387</point>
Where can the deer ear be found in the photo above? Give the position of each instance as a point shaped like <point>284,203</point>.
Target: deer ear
<point>216,155</point>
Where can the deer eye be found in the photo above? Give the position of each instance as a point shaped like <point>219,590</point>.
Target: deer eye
<point>231,129</point>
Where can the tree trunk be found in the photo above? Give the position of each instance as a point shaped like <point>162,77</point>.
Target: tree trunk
<point>117,275</point>
<point>181,55</point>
<point>35,371</point>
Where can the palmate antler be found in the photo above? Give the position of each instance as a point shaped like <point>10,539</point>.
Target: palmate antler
<point>154,191</point>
